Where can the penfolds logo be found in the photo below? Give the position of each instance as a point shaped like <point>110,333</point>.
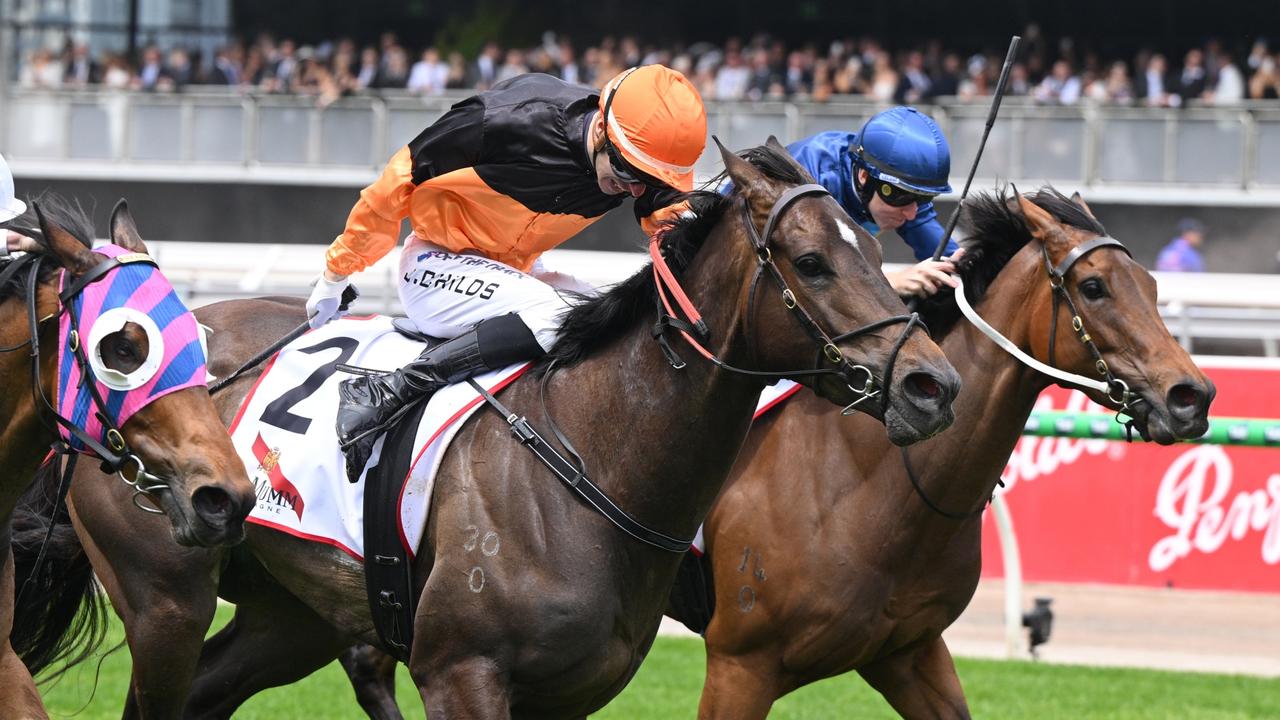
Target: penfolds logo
<point>1195,501</point>
<point>1037,456</point>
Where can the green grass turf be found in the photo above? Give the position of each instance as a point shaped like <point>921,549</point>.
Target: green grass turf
<point>668,685</point>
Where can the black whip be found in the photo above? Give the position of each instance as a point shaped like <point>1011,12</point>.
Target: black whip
<point>349,294</point>
<point>991,120</point>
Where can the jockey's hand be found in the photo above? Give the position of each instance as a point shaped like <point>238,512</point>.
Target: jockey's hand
<point>925,278</point>
<point>326,296</point>
<point>15,242</point>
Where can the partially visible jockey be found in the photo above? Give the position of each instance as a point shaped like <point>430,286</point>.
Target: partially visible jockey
<point>501,178</point>
<point>886,176</point>
<point>10,208</point>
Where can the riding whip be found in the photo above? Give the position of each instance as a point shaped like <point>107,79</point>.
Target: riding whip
<point>991,120</point>
<point>349,294</point>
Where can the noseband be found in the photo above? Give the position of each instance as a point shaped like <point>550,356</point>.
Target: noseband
<point>828,350</point>
<point>113,450</point>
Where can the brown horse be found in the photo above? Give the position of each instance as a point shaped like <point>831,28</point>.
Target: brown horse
<point>856,571</point>
<point>193,472</point>
<point>869,575</point>
<point>570,605</point>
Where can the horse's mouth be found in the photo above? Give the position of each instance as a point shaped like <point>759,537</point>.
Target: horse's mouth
<point>1155,423</point>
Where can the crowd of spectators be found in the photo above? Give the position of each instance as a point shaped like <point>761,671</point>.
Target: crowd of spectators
<point>759,68</point>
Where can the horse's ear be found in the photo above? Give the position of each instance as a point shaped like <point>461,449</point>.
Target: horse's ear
<point>71,253</point>
<point>1078,200</point>
<point>773,144</point>
<point>124,232</point>
<point>744,175</point>
<point>1041,224</point>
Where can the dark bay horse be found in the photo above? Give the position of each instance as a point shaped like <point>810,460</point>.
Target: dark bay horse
<point>855,571</point>
<point>570,605</point>
<point>192,471</point>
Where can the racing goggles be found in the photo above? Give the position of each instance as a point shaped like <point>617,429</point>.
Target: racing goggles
<point>895,196</point>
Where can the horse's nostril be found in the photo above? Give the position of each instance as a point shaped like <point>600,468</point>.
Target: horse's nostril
<point>924,385</point>
<point>1184,396</point>
<point>213,504</point>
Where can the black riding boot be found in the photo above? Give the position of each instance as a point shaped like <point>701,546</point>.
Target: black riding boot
<point>367,404</point>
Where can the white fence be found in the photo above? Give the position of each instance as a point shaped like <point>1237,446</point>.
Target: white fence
<point>1204,306</point>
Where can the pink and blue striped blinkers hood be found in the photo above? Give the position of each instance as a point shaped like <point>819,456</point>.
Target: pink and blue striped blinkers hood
<point>134,292</point>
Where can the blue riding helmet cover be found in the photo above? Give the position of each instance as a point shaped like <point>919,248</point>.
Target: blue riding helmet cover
<point>905,148</point>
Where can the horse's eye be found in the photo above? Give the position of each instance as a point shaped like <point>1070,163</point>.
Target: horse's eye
<point>121,353</point>
<point>1093,288</point>
<point>811,265</point>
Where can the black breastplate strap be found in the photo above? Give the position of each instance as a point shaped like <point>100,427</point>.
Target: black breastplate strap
<point>575,478</point>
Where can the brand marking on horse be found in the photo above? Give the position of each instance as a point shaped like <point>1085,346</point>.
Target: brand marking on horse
<point>474,534</point>
<point>487,548</point>
<point>475,579</point>
<point>746,599</point>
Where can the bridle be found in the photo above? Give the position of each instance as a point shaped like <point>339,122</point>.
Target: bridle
<point>828,350</point>
<point>1116,390</point>
<point>113,450</point>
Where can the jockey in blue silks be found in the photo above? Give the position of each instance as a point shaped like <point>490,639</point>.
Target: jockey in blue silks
<point>886,176</point>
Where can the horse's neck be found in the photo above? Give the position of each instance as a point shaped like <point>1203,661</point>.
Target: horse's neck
<point>959,469</point>
<point>659,440</point>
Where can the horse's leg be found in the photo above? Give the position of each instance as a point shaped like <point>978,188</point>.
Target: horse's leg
<point>164,594</point>
<point>373,677</point>
<point>739,687</point>
<point>273,639</point>
<point>18,696</point>
<point>469,689</point>
<point>919,682</point>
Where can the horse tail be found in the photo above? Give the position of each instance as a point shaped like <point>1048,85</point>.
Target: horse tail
<point>60,615</point>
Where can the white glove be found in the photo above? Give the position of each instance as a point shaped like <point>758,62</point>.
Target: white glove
<point>326,295</point>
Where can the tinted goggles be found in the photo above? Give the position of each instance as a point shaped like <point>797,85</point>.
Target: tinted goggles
<point>623,170</point>
<point>898,197</point>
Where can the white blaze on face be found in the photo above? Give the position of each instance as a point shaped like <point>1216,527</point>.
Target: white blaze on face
<point>847,234</point>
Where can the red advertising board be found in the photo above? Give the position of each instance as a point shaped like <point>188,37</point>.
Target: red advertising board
<point>1184,516</point>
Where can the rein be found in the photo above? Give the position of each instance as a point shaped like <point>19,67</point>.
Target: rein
<point>828,350</point>
<point>1116,390</point>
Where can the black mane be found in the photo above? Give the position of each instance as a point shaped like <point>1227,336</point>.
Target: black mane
<point>994,233</point>
<point>595,322</point>
<point>63,212</point>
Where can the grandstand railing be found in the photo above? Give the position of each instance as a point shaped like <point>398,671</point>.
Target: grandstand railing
<point>1219,153</point>
<point>1195,307</point>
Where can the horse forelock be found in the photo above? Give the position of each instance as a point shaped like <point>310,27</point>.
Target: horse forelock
<point>595,322</point>
<point>65,213</point>
<point>993,234</point>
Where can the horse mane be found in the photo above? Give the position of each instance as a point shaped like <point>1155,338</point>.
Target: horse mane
<point>993,233</point>
<point>65,213</point>
<point>597,321</point>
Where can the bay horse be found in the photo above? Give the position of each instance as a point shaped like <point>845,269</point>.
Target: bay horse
<point>570,605</point>
<point>855,571</point>
<point>84,367</point>
<point>859,569</point>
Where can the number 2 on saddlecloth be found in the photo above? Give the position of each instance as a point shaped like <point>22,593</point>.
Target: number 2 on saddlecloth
<point>278,413</point>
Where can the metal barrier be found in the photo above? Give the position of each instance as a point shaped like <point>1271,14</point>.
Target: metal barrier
<point>1194,306</point>
<point>205,133</point>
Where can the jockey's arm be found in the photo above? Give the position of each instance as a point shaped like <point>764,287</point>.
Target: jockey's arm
<point>453,142</point>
